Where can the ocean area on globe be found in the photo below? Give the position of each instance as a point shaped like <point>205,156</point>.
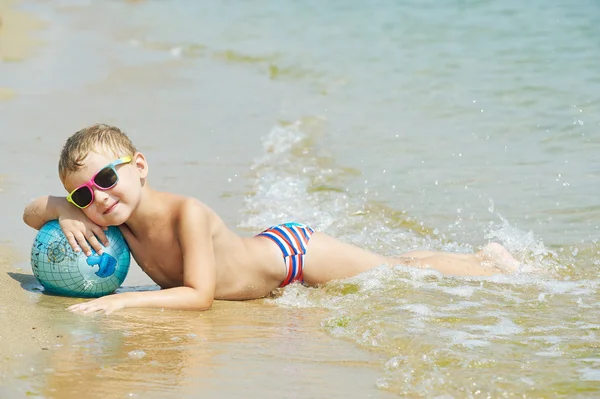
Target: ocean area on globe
<point>62,271</point>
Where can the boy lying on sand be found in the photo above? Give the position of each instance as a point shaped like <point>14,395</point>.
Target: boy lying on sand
<point>185,247</point>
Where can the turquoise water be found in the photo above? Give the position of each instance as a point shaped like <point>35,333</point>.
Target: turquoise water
<point>393,125</point>
<point>440,105</point>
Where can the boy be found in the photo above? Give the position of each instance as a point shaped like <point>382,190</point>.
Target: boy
<point>186,248</point>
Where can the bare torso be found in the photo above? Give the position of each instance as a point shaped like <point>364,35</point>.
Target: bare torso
<point>246,267</point>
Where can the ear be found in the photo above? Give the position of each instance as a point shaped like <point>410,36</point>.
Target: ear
<point>141,165</point>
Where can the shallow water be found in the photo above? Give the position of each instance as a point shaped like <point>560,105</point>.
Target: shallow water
<point>532,334</point>
<point>392,125</point>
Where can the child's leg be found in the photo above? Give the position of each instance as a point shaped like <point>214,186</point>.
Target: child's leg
<point>329,259</point>
<point>492,259</point>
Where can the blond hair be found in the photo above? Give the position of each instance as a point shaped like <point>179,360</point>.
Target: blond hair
<point>100,138</point>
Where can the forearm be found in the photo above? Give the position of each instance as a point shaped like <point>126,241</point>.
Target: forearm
<point>183,298</point>
<point>43,209</point>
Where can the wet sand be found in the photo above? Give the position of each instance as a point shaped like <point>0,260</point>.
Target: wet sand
<point>24,328</point>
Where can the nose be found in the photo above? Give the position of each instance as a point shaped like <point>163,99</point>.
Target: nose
<point>100,196</point>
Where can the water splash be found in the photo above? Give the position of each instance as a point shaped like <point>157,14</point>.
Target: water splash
<point>524,245</point>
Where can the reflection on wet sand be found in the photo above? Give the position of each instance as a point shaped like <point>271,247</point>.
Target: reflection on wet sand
<point>235,348</point>
<point>124,354</point>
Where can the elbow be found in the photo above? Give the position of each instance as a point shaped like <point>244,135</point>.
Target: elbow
<point>29,218</point>
<point>200,302</point>
<point>202,305</point>
<point>41,210</point>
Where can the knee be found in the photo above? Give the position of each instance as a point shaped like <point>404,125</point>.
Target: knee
<point>409,261</point>
<point>418,254</point>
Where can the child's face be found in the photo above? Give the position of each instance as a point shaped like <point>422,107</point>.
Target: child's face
<point>113,206</point>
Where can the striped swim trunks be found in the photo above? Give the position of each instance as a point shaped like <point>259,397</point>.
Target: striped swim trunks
<point>292,239</point>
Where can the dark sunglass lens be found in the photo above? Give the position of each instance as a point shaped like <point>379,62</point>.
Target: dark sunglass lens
<point>82,197</point>
<point>106,178</point>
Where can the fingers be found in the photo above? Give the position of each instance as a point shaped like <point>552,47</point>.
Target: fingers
<point>86,242</point>
<point>79,308</point>
<point>93,241</point>
<point>99,232</point>
<point>84,238</point>
<point>94,237</point>
<point>96,305</point>
<point>83,244</point>
<point>72,241</point>
<point>86,307</point>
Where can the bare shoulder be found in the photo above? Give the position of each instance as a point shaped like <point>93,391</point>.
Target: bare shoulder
<point>192,210</point>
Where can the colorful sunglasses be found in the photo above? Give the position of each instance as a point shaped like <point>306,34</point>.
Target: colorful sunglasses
<point>105,179</point>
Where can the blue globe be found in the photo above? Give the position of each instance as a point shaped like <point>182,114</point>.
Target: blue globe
<point>63,271</point>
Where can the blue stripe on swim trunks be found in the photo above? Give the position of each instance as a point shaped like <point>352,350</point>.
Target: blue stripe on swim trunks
<point>291,238</point>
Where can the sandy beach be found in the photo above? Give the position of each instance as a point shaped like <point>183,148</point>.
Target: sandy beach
<point>26,330</point>
<point>23,328</point>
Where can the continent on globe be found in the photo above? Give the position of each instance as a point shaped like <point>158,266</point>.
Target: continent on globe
<point>106,263</point>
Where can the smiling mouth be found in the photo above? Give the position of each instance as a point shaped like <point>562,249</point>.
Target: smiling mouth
<point>110,209</point>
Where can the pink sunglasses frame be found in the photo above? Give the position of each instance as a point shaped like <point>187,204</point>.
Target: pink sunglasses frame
<point>90,184</point>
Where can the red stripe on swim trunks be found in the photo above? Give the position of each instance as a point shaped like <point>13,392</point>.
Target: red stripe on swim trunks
<point>300,267</point>
<point>283,235</point>
<point>290,272</point>
<point>295,237</point>
<point>305,230</point>
<point>304,236</point>
<point>283,240</point>
<point>295,268</point>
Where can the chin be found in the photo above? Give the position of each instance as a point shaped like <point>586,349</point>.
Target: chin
<point>115,218</point>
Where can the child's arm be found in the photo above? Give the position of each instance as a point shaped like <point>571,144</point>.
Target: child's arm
<point>199,271</point>
<point>79,230</point>
<point>42,210</point>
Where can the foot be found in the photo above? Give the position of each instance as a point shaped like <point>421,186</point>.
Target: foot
<point>495,255</point>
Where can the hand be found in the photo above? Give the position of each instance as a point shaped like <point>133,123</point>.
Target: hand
<point>80,231</point>
<point>106,304</point>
